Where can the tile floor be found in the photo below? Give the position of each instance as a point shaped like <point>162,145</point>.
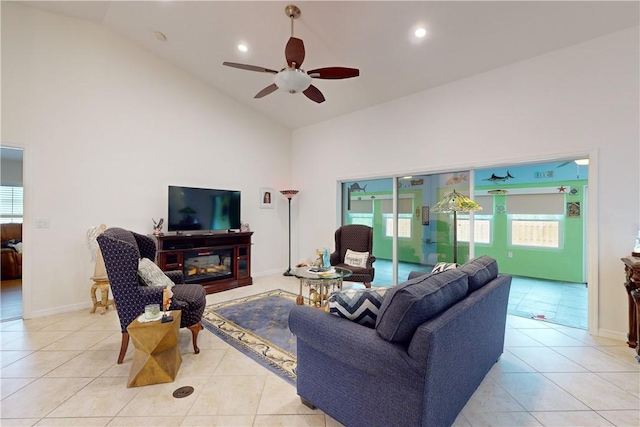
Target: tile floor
<point>60,371</point>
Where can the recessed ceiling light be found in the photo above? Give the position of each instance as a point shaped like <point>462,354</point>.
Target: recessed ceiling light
<point>420,32</point>
<point>242,48</point>
<point>160,36</point>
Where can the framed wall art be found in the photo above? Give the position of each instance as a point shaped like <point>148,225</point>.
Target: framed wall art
<point>425,215</point>
<point>266,198</point>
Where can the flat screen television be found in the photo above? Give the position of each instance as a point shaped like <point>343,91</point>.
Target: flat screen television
<point>203,209</point>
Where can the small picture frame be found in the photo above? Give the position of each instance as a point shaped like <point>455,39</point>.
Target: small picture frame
<point>266,198</point>
<point>573,209</point>
<point>425,215</point>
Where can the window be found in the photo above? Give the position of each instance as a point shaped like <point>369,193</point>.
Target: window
<point>361,212</point>
<point>10,204</point>
<point>404,225</point>
<point>481,229</point>
<point>540,231</point>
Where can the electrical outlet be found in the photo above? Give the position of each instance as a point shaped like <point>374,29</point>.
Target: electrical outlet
<point>42,223</point>
<point>510,254</point>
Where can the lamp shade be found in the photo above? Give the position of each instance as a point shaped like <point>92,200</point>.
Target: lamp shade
<point>289,193</point>
<point>455,202</point>
<point>292,80</point>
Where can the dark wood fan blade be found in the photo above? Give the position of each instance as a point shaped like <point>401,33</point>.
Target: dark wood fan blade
<point>294,52</point>
<point>314,94</point>
<point>266,91</point>
<point>249,67</point>
<point>334,73</point>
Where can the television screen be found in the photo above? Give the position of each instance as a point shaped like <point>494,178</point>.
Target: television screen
<point>203,209</point>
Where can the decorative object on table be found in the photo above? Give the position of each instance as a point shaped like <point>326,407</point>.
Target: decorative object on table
<point>157,227</point>
<point>100,279</point>
<point>292,78</point>
<point>166,302</point>
<point>240,323</point>
<point>244,227</point>
<point>152,311</point>
<point>289,194</point>
<point>266,198</point>
<point>456,202</point>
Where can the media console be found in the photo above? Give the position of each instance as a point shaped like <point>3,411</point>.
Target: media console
<point>217,261</point>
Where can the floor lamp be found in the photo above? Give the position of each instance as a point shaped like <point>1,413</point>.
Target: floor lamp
<point>455,202</point>
<point>289,195</point>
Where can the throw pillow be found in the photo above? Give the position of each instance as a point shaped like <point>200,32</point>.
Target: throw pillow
<point>151,275</point>
<point>444,266</point>
<point>481,271</point>
<point>410,304</point>
<point>356,259</point>
<point>358,305</point>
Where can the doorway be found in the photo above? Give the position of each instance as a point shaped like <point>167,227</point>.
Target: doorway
<point>11,217</point>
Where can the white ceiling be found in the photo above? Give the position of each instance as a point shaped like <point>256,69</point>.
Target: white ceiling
<point>464,38</point>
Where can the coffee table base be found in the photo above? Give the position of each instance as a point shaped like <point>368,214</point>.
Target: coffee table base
<point>318,291</point>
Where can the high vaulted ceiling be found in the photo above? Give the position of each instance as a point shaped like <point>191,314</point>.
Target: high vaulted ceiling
<point>463,38</point>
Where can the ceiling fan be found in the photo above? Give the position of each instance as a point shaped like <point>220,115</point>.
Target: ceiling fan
<point>292,78</point>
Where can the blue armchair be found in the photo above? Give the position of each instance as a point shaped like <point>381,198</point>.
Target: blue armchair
<point>122,250</point>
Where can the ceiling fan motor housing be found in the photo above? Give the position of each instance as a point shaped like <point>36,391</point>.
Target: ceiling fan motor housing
<point>292,80</point>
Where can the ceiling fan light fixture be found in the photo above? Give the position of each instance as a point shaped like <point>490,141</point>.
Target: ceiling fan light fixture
<point>242,47</point>
<point>293,80</point>
<point>420,32</point>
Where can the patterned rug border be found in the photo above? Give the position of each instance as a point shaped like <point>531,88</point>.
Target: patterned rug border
<point>256,347</point>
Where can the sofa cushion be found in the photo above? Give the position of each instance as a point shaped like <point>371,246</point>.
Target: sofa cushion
<point>410,304</point>
<point>358,305</point>
<point>481,271</point>
<point>151,275</point>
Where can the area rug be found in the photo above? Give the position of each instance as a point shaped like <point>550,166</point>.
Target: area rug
<point>258,326</point>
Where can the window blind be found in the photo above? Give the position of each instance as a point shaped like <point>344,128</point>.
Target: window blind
<point>538,204</point>
<point>405,206</point>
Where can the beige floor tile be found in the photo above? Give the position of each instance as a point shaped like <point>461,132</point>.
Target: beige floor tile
<point>289,421</point>
<point>622,418</point>
<point>35,340</point>
<point>629,382</point>
<point>596,359</point>
<point>146,421</point>
<point>235,363</point>
<point>229,395</point>
<point>508,362</point>
<point>103,397</point>
<point>524,323</point>
<point>74,322</point>
<point>19,422</point>
<point>280,397</point>
<point>37,364</point>
<point>202,364</point>
<point>461,421</point>
<point>587,338</point>
<point>206,341</point>
<point>89,364</point>
<point>506,419</point>
<point>8,336</point>
<point>571,419</point>
<point>537,393</point>
<point>623,353</point>
<point>11,385</point>
<point>516,338</point>
<point>78,340</point>
<point>42,395</point>
<point>110,342</point>
<point>9,356</point>
<point>544,359</point>
<point>158,399</point>
<point>104,322</point>
<point>490,397</point>
<point>551,338</point>
<point>74,422</point>
<point>218,421</point>
<point>595,392</point>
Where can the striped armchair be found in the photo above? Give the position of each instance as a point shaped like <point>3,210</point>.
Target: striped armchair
<point>122,250</point>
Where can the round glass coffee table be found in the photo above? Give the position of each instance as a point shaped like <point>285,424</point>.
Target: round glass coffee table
<point>320,284</point>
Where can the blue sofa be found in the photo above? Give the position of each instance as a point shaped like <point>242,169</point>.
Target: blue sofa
<point>402,373</point>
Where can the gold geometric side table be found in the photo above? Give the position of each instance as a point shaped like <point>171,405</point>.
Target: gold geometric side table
<point>101,284</point>
<point>156,358</point>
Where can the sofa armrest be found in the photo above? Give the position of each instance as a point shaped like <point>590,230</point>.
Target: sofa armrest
<point>346,341</point>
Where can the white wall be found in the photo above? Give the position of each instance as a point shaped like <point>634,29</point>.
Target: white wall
<point>580,100</point>
<point>106,127</point>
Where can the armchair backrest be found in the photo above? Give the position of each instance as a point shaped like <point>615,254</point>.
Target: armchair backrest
<point>122,250</point>
<point>356,237</point>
